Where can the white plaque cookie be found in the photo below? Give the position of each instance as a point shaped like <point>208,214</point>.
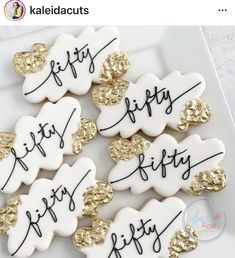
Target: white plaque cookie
<point>70,64</point>
<point>151,104</point>
<point>167,165</point>
<point>40,142</point>
<point>156,231</point>
<point>53,207</point>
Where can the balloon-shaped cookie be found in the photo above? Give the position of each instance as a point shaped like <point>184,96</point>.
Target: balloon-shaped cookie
<point>167,165</point>
<point>71,64</point>
<point>156,231</point>
<point>151,104</point>
<point>40,142</point>
<point>53,207</point>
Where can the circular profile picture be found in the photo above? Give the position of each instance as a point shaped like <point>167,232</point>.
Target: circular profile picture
<point>14,10</point>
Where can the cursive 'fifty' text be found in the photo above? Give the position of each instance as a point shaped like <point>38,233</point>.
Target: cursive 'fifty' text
<point>37,142</point>
<point>158,96</point>
<point>137,233</point>
<point>73,58</point>
<point>57,196</point>
<point>175,160</point>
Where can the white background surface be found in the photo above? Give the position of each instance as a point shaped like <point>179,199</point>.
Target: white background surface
<point>188,53</point>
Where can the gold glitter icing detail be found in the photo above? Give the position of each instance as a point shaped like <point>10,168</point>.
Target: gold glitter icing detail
<point>115,66</point>
<point>183,241</point>
<point>96,196</point>
<point>213,181</point>
<point>6,143</point>
<point>113,88</point>
<point>8,215</point>
<point>85,134</point>
<point>124,149</point>
<point>91,236</point>
<point>194,112</point>
<point>109,94</point>
<point>31,62</point>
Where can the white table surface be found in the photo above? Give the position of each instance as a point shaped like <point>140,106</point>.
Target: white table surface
<point>220,40</point>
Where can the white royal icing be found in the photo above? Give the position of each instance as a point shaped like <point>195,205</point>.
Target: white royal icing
<point>167,165</point>
<point>145,233</point>
<point>72,64</point>
<point>51,207</point>
<point>40,142</point>
<point>150,104</point>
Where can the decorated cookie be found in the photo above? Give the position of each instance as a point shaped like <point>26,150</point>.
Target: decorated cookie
<point>53,207</point>
<point>71,64</point>
<point>40,142</point>
<point>155,231</point>
<point>151,104</point>
<point>167,165</point>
